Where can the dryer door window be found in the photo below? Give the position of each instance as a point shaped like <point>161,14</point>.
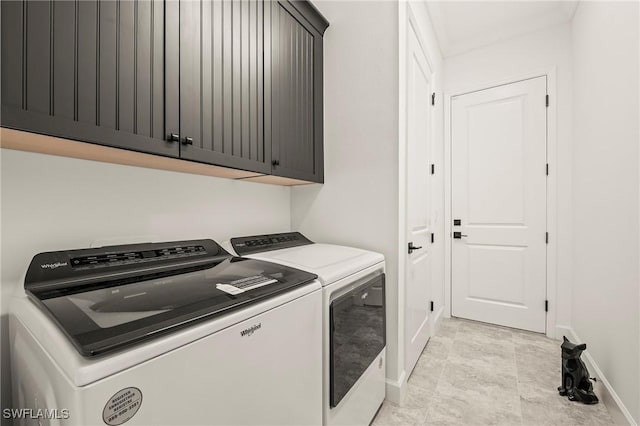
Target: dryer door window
<point>357,335</point>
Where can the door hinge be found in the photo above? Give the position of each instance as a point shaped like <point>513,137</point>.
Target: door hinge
<point>431,306</point>
<point>433,98</point>
<point>432,238</point>
<point>433,169</point>
<point>546,237</point>
<point>546,306</point>
<point>547,100</point>
<point>547,169</point>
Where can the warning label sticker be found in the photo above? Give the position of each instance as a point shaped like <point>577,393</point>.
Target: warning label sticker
<point>122,406</point>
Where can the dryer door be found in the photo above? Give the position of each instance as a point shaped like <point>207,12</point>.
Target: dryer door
<point>357,335</point>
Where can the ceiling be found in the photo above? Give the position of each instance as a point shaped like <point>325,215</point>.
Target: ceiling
<point>465,25</point>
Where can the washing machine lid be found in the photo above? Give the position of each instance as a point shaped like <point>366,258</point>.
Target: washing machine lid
<point>109,298</point>
<point>35,327</point>
<point>329,262</point>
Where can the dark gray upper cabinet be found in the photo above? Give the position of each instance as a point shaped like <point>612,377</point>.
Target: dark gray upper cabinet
<point>222,82</point>
<point>86,70</point>
<point>235,83</point>
<point>296,90</point>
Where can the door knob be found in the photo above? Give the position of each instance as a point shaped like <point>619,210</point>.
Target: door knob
<point>187,141</point>
<point>275,163</point>
<point>412,247</point>
<point>173,137</point>
<point>457,235</point>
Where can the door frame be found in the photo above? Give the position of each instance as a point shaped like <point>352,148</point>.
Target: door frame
<point>552,186</point>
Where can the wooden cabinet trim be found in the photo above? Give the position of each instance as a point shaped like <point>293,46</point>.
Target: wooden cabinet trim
<point>278,180</point>
<point>311,14</point>
<point>60,127</point>
<point>42,144</point>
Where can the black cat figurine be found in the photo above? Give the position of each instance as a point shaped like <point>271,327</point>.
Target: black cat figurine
<point>576,384</point>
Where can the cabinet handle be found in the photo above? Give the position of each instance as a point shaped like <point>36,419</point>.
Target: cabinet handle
<point>275,163</point>
<point>173,137</point>
<point>187,141</point>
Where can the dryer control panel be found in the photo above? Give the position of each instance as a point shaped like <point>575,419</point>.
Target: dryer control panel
<point>261,243</point>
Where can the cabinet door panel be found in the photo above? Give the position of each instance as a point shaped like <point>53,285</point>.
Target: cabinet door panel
<point>126,66</point>
<point>63,77</point>
<point>12,50</point>
<point>297,95</point>
<point>107,64</point>
<point>38,56</point>
<point>218,87</point>
<point>190,69</point>
<point>222,83</point>
<point>86,70</point>
<point>143,82</point>
<point>87,50</point>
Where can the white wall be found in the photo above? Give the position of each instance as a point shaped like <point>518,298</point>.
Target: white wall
<point>605,192</point>
<point>359,203</point>
<point>54,203</point>
<point>537,52</point>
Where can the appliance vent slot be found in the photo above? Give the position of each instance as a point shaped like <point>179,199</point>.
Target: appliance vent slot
<point>137,256</point>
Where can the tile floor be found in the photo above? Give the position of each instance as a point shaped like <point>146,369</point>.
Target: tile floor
<point>473,373</point>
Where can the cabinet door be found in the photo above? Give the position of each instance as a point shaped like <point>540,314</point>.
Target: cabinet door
<point>296,76</point>
<point>86,70</point>
<point>222,94</point>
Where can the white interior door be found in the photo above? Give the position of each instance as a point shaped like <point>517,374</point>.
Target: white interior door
<point>418,202</point>
<point>498,146</point>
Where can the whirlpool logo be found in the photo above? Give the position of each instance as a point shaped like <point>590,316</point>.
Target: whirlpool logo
<point>53,265</point>
<point>249,331</point>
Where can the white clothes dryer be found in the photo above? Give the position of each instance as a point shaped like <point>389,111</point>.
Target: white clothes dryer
<point>353,318</point>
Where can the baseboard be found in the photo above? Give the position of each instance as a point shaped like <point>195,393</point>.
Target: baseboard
<point>563,330</point>
<point>396,390</point>
<point>603,388</point>
<point>437,320</point>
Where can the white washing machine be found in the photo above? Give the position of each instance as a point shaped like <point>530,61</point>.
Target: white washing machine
<point>166,333</point>
<point>353,319</point>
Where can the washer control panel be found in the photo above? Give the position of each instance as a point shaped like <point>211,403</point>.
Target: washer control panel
<point>260,243</point>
